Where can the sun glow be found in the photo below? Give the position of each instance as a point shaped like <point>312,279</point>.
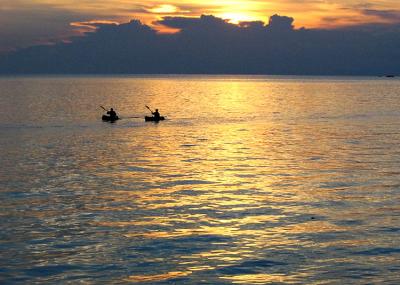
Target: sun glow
<point>164,9</point>
<point>237,17</point>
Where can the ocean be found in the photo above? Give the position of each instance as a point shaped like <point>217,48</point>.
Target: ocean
<point>249,180</point>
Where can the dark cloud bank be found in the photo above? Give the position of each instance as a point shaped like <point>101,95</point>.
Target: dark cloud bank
<point>210,45</point>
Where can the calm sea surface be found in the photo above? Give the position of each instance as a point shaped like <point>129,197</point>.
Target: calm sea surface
<point>251,180</point>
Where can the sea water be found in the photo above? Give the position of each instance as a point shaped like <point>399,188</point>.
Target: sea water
<point>250,180</point>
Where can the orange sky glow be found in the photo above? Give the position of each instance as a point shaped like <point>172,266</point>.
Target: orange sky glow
<point>25,19</point>
<point>307,13</point>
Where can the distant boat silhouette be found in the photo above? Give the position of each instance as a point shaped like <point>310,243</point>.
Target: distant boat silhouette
<point>390,75</point>
<point>109,118</point>
<point>153,119</point>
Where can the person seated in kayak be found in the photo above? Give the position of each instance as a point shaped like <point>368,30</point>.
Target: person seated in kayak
<point>156,114</point>
<point>112,113</point>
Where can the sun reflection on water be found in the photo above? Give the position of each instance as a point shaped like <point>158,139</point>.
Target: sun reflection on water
<point>237,183</point>
<point>297,185</point>
<point>158,277</point>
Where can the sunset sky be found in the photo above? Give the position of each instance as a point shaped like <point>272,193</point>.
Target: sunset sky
<point>27,22</point>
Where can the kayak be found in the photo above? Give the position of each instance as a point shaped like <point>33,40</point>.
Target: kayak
<point>109,119</point>
<point>153,119</point>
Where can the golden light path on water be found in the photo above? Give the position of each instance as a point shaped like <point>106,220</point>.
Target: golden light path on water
<point>217,166</point>
<point>250,180</point>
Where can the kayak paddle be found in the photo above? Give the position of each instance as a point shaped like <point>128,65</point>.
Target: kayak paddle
<point>149,109</point>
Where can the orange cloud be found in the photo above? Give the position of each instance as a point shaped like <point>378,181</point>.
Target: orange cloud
<point>93,24</point>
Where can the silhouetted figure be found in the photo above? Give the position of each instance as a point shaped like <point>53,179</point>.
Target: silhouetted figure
<point>113,114</point>
<point>156,115</point>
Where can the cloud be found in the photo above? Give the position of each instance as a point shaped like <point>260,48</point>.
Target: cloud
<point>389,16</point>
<point>280,23</point>
<point>209,44</point>
<point>27,22</point>
<point>204,22</point>
<point>24,25</point>
<point>93,24</point>
<point>209,23</point>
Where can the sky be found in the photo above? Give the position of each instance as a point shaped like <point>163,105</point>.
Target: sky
<point>28,22</point>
